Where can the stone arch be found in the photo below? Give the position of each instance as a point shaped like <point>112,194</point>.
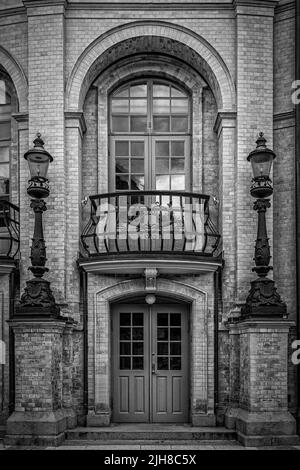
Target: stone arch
<point>214,69</point>
<point>18,77</point>
<point>202,387</point>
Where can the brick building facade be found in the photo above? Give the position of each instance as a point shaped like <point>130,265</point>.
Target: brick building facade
<point>165,100</point>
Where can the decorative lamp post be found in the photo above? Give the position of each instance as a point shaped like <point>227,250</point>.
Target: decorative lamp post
<point>38,298</point>
<point>263,301</point>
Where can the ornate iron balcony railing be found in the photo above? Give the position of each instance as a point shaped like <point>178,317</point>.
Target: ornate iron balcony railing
<point>150,221</point>
<point>9,230</point>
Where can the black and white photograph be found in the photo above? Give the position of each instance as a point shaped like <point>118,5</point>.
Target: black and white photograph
<point>149,229</point>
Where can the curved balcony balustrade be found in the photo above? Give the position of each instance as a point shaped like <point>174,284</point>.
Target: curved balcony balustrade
<point>9,230</point>
<point>148,223</point>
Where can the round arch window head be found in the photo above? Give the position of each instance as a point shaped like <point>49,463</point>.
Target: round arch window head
<point>261,160</point>
<point>38,160</point>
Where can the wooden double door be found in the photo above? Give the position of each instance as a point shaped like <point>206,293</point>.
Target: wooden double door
<point>150,363</point>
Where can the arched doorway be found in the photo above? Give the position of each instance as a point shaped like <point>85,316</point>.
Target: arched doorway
<point>150,131</point>
<point>150,361</point>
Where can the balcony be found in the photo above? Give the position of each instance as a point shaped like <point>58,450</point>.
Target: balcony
<point>9,235</point>
<point>132,230</point>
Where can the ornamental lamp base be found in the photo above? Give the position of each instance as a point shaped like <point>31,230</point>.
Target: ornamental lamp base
<point>38,301</point>
<point>264,301</point>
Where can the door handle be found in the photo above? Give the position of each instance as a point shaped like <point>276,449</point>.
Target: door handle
<point>153,364</point>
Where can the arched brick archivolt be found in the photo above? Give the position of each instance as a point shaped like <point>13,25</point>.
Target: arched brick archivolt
<point>202,386</point>
<point>173,40</point>
<point>17,76</point>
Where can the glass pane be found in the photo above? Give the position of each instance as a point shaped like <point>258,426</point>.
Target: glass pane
<point>137,183</point>
<point>125,319</point>
<point>138,123</point>
<point>125,334</point>
<point>138,106</point>
<point>138,319</point>
<point>122,165</point>
<point>162,334</point>
<point>162,363</point>
<point>175,334</point>
<point>4,171</point>
<point>162,349</point>
<point>175,349</point>
<point>175,363</point>
<point>161,124</point>
<point>124,363</point>
<point>137,149</point>
<point>138,90</point>
<point>162,319</point>
<point>137,165</point>
<point>120,106</point>
<point>162,182</point>
<point>122,148</point>
<point>120,124</point>
<point>177,165</point>
<point>161,91</point>
<point>5,130</point>
<point>161,106</point>
<point>122,182</point>
<point>179,124</point>
<point>179,106</point>
<point>137,349</point>
<point>175,319</point>
<point>4,154</point>
<point>138,333</point>
<point>125,348</point>
<point>177,93</point>
<point>178,182</point>
<point>177,148</point>
<point>122,93</point>
<point>162,165</point>
<point>4,186</point>
<point>162,148</point>
<point>138,363</point>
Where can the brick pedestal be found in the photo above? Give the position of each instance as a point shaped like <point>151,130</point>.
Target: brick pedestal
<point>262,416</point>
<point>39,417</point>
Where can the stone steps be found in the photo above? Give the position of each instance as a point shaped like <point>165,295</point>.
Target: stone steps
<point>157,434</point>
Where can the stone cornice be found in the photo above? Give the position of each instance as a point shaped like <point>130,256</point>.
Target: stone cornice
<point>35,7</point>
<point>20,117</point>
<point>284,116</point>
<point>75,119</point>
<point>224,119</point>
<point>174,6</point>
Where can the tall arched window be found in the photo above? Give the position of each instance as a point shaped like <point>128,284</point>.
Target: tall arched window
<point>5,136</point>
<point>150,123</point>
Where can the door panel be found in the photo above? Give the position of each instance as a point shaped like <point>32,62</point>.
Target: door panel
<point>150,363</point>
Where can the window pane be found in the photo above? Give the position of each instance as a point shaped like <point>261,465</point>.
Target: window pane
<point>124,363</point>
<point>162,148</point>
<point>122,165</point>
<point>125,334</point>
<point>138,333</point>
<point>162,363</point>
<point>161,106</point>
<point>137,349</point>
<point>138,363</point>
<point>161,124</point>
<point>122,182</point>
<point>175,334</point>
<point>161,91</point>
<point>175,319</point>
<point>120,124</point>
<point>5,130</point>
<point>137,165</point>
<point>125,319</point>
<point>162,165</point>
<point>177,165</point>
<point>138,123</point>
<point>162,349</point>
<point>138,90</point>
<point>137,149</point>
<point>125,348</point>
<point>162,319</point>
<point>4,95</point>
<point>175,349</point>
<point>162,182</point>
<point>4,186</point>
<point>175,363</point>
<point>122,148</point>
<point>162,333</point>
<point>121,93</point>
<point>177,148</point>
<point>178,182</point>
<point>4,154</point>
<point>179,106</point>
<point>138,106</point>
<point>137,183</point>
<point>120,106</point>
<point>177,93</point>
<point>138,319</point>
<point>4,171</point>
<point>179,124</point>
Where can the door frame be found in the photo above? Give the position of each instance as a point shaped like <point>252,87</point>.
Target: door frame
<point>150,323</point>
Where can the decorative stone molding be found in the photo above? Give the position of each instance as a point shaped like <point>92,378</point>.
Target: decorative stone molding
<point>150,279</point>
